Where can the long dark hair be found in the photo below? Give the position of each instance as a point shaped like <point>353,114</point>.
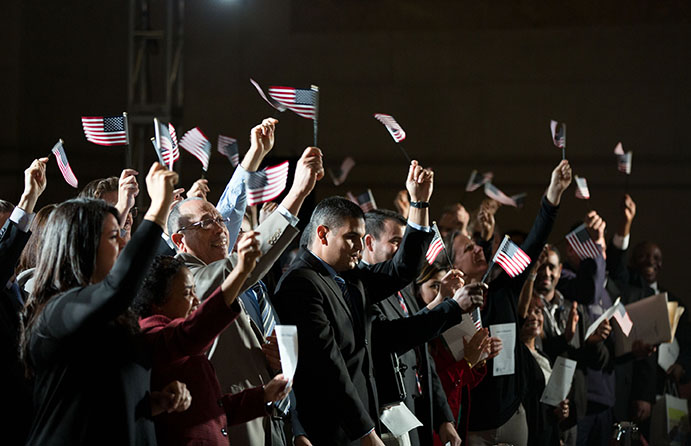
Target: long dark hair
<point>67,258</point>
<point>29,255</point>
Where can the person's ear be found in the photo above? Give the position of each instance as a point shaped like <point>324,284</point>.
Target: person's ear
<point>369,242</point>
<point>321,234</point>
<point>178,240</point>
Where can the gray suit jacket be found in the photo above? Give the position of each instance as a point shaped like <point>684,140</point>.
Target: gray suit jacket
<point>237,355</point>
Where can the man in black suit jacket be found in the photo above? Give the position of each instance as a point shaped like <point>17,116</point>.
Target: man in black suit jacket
<point>13,237</point>
<point>329,298</point>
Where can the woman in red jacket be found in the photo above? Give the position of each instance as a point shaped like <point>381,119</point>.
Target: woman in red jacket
<point>457,377</point>
<point>180,331</point>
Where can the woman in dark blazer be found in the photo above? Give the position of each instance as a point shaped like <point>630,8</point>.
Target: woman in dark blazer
<point>79,342</point>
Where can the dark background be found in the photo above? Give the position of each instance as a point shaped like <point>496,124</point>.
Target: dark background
<point>474,84</point>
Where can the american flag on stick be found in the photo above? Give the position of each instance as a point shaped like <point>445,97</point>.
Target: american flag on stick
<point>106,130</point>
<point>397,132</point>
<point>272,102</point>
<point>197,144</point>
<point>511,258</point>
<point>435,247</point>
<point>476,180</point>
<point>167,148</point>
<point>495,194</point>
<point>623,159</point>
<point>229,147</point>
<point>302,101</point>
<point>267,184</point>
<point>582,244</point>
<point>582,191</point>
<point>64,165</point>
<point>558,130</point>
<point>342,173</point>
<point>366,201</point>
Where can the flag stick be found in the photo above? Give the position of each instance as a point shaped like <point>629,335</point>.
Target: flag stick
<point>563,153</point>
<point>315,124</point>
<point>405,154</point>
<point>51,152</point>
<point>203,174</point>
<point>128,153</point>
<point>626,183</point>
<point>315,130</point>
<point>158,152</point>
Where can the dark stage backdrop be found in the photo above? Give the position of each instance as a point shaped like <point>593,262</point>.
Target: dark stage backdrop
<point>473,85</point>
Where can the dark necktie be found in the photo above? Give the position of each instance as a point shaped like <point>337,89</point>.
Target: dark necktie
<point>347,295</point>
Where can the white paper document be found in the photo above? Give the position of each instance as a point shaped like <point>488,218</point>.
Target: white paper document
<point>454,336</point>
<point>399,419</point>
<point>650,324</point>
<point>606,315</point>
<point>504,363</point>
<point>287,337</point>
<point>668,353</point>
<point>559,383</point>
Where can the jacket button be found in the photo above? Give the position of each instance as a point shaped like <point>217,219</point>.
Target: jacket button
<point>224,432</point>
<point>366,342</point>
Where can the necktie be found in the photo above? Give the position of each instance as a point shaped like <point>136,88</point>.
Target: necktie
<point>268,325</point>
<point>349,299</point>
<point>401,302</point>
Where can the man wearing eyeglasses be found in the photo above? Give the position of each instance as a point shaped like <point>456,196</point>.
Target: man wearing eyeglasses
<point>204,236</point>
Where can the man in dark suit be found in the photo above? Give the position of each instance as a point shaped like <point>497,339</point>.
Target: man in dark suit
<point>14,235</point>
<point>329,299</point>
<point>424,394</point>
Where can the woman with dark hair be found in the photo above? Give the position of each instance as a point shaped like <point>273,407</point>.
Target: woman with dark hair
<point>457,377</point>
<point>180,331</point>
<point>90,369</point>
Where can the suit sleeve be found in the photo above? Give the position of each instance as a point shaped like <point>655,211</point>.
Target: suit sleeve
<point>384,279</point>
<point>89,308</point>
<point>402,334</point>
<point>299,302</point>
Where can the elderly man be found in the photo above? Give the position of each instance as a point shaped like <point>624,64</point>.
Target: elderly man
<point>329,298</point>
<point>204,236</point>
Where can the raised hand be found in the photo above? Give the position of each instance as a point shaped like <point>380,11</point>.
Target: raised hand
<point>199,189</point>
<point>470,296</point>
<point>267,209</point>
<point>596,227</point>
<point>560,181</point>
<point>160,183</point>
<point>419,182</point>
<point>628,207</point>
<point>34,184</point>
<point>495,346</point>
<point>402,203</point>
<point>572,322</point>
<point>262,135</point>
<point>485,219</point>
<point>562,410</point>
<point>308,171</point>
<point>248,252</point>
<point>473,350</point>
<point>270,350</point>
<point>601,333</point>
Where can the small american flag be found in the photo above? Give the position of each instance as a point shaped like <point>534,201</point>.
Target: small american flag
<point>477,318</point>
<point>64,165</point>
<point>302,101</point>
<point>558,133</point>
<point>342,173</point>
<point>623,319</point>
<point>435,247</point>
<point>174,137</point>
<point>267,184</point>
<point>165,144</point>
<point>582,244</point>
<point>106,130</point>
<point>229,147</point>
<point>519,199</point>
<point>623,159</point>
<point>495,194</point>
<point>196,143</point>
<point>366,201</point>
<point>582,191</point>
<point>476,180</point>
<point>397,132</point>
<point>511,258</point>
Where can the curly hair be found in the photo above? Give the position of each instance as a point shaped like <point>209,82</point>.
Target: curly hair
<point>155,289</point>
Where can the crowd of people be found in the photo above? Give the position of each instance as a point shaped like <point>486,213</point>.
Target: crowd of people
<point>161,330</point>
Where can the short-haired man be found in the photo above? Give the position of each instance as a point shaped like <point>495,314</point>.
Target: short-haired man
<point>329,298</point>
<point>424,394</point>
<point>204,236</point>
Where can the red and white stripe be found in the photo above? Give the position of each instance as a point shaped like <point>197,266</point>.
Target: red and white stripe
<point>511,258</point>
<point>286,96</point>
<point>269,185</point>
<point>64,165</point>
<point>197,144</point>
<point>582,244</point>
<point>95,132</point>
<point>394,128</point>
<point>582,191</point>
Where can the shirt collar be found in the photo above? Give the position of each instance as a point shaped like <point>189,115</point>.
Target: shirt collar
<point>332,272</point>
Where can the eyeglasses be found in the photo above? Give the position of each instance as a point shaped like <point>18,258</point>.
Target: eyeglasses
<point>206,223</point>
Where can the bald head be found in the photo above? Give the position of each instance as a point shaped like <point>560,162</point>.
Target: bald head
<point>208,243</point>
